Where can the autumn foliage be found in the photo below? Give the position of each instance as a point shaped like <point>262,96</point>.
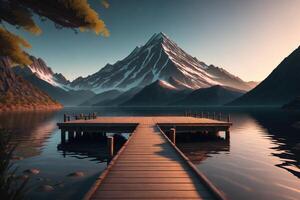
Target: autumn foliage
<point>75,14</point>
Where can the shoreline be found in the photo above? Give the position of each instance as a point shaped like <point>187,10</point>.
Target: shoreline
<point>21,108</point>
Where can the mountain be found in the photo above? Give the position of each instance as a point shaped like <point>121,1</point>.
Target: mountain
<point>252,84</point>
<point>54,84</point>
<point>120,99</point>
<point>280,87</point>
<point>18,94</point>
<point>40,69</point>
<point>215,95</point>
<point>67,98</point>
<point>293,105</point>
<point>159,59</point>
<point>104,96</point>
<point>158,93</point>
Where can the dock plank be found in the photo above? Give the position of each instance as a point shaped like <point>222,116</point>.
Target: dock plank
<point>153,187</point>
<point>152,194</point>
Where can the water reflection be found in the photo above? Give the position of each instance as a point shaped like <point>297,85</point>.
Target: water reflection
<point>198,147</point>
<point>38,147</point>
<point>29,130</point>
<point>285,135</point>
<point>91,146</point>
<point>261,161</point>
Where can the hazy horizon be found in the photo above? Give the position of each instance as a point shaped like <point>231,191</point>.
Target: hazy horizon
<point>240,37</point>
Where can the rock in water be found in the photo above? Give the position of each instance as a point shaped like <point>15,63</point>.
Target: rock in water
<point>76,174</point>
<point>22,177</point>
<point>31,171</point>
<point>47,188</point>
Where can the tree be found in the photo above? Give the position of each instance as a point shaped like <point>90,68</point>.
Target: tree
<point>74,14</point>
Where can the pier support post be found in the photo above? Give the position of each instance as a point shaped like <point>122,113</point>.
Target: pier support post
<point>227,135</point>
<point>173,135</point>
<point>70,135</point>
<point>63,136</point>
<point>110,144</point>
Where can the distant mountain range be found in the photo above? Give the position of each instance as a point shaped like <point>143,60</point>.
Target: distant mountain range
<point>160,69</point>
<point>279,88</point>
<point>54,84</point>
<point>160,93</point>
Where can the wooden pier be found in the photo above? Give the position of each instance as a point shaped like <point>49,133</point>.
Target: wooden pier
<point>149,165</point>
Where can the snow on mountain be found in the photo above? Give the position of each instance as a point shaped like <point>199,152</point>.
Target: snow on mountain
<point>159,59</point>
<point>40,69</point>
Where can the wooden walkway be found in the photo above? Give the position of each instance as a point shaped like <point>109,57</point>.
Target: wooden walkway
<point>149,166</point>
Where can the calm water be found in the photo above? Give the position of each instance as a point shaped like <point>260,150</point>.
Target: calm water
<point>261,160</point>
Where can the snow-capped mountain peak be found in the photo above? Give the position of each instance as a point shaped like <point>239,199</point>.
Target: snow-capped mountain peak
<point>159,59</point>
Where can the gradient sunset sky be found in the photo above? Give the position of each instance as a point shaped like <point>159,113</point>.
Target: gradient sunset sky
<point>247,38</point>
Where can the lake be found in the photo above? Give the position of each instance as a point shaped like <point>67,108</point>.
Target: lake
<point>261,160</point>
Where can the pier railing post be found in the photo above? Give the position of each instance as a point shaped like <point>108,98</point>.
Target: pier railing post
<point>110,144</point>
<point>173,135</point>
<point>65,117</point>
<point>228,118</point>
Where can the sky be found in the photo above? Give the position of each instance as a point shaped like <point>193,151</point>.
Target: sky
<point>247,38</point>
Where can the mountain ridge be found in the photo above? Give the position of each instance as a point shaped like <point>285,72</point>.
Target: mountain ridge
<point>17,94</point>
<point>54,84</point>
<point>280,87</point>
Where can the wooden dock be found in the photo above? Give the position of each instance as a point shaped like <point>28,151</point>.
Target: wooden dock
<point>149,165</point>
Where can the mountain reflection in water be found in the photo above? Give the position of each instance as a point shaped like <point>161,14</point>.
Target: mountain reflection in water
<point>29,130</point>
<point>282,131</point>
